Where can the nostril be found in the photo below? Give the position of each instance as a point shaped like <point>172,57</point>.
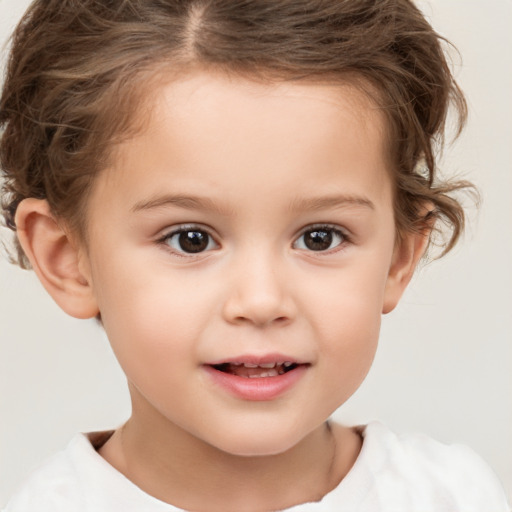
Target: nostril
<point>261,320</point>
<point>259,308</point>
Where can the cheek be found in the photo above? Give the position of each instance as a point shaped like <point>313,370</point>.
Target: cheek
<point>149,313</point>
<point>351,298</point>
<point>350,342</point>
<point>152,336</point>
<point>348,323</point>
<point>350,332</point>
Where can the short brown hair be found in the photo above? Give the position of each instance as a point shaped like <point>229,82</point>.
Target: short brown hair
<point>77,67</point>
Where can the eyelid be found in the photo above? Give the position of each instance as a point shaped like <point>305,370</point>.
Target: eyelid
<point>347,237</point>
<point>325,225</point>
<point>179,228</point>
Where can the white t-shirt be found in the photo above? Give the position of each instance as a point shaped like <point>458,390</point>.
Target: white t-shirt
<point>406,473</point>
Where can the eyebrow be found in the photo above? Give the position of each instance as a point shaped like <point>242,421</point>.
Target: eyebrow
<point>334,201</point>
<point>181,201</point>
<point>207,204</point>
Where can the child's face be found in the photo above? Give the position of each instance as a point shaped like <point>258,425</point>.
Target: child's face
<point>284,202</point>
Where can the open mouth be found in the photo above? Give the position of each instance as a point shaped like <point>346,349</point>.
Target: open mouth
<point>256,371</point>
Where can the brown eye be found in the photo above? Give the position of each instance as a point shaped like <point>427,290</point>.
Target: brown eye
<point>189,241</point>
<point>320,239</point>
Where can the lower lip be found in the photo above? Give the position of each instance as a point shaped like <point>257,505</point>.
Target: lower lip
<point>259,388</point>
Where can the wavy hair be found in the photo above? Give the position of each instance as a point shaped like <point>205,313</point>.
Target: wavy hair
<point>77,68</point>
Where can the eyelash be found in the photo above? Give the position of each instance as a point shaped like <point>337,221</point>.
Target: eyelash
<point>164,240</point>
<point>341,235</point>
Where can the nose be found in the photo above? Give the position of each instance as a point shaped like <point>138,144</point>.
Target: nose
<point>259,293</point>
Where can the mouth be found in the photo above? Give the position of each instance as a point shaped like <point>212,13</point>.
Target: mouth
<point>256,371</point>
<point>257,378</point>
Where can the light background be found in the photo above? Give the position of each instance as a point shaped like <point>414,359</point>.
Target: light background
<point>444,365</point>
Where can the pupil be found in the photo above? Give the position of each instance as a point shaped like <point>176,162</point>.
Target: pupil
<point>318,240</point>
<point>193,241</point>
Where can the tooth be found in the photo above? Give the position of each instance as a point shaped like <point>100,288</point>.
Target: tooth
<point>272,372</point>
<point>250,365</point>
<point>287,364</point>
<point>268,365</point>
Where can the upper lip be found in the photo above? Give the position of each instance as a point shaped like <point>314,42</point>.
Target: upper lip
<point>259,360</point>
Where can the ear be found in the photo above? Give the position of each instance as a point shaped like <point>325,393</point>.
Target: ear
<point>54,258</point>
<point>406,257</point>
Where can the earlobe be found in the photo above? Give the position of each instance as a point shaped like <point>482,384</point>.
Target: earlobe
<point>54,258</point>
<point>406,257</point>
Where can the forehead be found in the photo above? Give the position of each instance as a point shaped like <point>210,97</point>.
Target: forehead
<point>205,129</point>
<point>231,101</point>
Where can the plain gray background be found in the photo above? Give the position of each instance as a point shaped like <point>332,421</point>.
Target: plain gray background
<point>444,365</point>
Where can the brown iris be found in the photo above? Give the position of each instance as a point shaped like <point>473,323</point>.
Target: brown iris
<point>318,239</point>
<point>193,241</point>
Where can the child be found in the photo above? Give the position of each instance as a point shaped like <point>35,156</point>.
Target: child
<point>237,191</point>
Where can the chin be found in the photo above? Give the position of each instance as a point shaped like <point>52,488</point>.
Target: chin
<point>253,448</point>
<point>259,442</point>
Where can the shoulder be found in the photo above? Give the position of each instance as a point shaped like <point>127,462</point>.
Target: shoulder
<point>451,476</point>
<point>53,485</point>
<point>78,479</point>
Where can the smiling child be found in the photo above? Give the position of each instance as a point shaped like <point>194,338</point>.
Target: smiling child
<point>237,190</point>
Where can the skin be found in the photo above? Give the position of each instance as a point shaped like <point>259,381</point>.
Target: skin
<point>267,162</point>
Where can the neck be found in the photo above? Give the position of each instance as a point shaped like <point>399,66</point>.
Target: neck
<point>175,467</point>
